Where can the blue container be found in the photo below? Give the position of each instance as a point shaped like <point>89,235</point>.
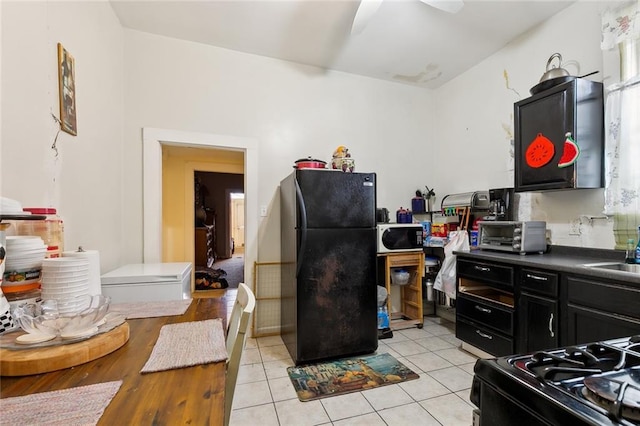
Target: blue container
<point>474,239</point>
<point>404,216</point>
<point>383,318</point>
<point>418,205</point>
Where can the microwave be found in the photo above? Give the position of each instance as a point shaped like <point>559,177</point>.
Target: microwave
<point>516,237</point>
<point>399,237</point>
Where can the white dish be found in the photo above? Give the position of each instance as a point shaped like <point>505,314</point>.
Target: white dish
<point>65,299</point>
<point>64,280</point>
<point>81,333</point>
<point>23,266</point>
<point>63,268</point>
<point>31,338</point>
<point>64,285</point>
<point>21,254</point>
<point>48,287</point>
<point>66,261</point>
<point>16,239</point>
<point>70,274</point>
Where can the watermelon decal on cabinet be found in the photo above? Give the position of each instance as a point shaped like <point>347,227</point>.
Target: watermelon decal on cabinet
<point>570,153</point>
<point>539,152</point>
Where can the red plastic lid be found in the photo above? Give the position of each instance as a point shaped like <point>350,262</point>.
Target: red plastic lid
<point>40,210</point>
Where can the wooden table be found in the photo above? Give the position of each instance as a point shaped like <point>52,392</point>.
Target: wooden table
<point>193,395</point>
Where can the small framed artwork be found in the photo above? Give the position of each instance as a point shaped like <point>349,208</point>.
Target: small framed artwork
<point>67,91</point>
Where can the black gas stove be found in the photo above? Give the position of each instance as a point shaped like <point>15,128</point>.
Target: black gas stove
<point>592,384</point>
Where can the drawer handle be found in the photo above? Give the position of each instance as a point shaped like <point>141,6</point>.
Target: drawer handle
<point>537,277</point>
<point>551,333</point>
<point>481,309</point>
<point>486,336</point>
<point>482,268</point>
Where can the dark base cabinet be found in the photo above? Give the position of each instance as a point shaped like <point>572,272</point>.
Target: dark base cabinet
<point>504,307</point>
<point>586,325</point>
<point>598,310</point>
<point>537,311</point>
<point>538,323</point>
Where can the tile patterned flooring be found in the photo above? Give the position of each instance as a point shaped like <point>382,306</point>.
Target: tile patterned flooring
<point>264,394</point>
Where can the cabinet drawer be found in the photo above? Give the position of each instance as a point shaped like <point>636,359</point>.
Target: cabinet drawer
<point>539,282</point>
<point>482,338</point>
<point>488,272</point>
<point>486,314</point>
<point>404,259</point>
<point>607,297</point>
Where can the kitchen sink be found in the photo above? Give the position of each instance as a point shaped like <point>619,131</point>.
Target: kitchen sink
<point>615,266</point>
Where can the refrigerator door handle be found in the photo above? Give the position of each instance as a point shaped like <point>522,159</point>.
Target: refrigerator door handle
<point>303,227</point>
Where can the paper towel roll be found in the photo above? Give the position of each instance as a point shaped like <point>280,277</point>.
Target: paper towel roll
<point>94,268</point>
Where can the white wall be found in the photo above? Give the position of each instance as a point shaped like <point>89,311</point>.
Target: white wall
<point>84,182</point>
<point>455,139</point>
<point>475,122</point>
<point>293,111</point>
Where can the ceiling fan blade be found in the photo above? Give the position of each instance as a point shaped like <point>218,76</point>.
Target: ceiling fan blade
<point>451,6</point>
<point>366,9</point>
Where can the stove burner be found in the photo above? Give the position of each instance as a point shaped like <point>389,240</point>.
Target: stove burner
<point>618,393</point>
<point>575,362</point>
<point>599,381</point>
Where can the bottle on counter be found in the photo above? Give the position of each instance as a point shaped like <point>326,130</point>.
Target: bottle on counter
<point>630,253</point>
<point>637,254</point>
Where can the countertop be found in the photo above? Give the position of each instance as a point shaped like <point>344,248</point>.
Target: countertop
<point>562,259</point>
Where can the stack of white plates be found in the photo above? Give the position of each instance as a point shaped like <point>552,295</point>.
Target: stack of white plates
<point>24,259</point>
<point>66,280</point>
<point>11,207</point>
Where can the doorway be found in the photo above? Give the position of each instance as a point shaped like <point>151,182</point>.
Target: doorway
<point>219,229</point>
<point>236,207</point>
<point>154,231</point>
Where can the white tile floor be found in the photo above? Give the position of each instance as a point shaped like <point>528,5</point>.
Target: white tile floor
<point>265,396</point>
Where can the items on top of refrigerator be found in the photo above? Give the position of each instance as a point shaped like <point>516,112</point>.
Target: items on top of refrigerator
<point>309,163</point>
<point>342,160</point>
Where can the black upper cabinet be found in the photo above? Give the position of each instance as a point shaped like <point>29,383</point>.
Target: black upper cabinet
<point>575,107</point>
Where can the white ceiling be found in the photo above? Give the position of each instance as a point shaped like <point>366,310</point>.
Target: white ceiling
<point>405,41</point>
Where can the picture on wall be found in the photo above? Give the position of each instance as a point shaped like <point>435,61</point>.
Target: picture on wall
<point>67,90</point>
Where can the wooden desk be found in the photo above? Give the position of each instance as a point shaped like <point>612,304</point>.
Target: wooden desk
<point>192,395</point>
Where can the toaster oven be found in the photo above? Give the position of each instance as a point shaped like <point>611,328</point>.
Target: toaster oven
<point>516,237</point>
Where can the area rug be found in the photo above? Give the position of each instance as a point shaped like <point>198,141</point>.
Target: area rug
<point>348,375</point>
<point>187,344</point>
<point>151,309</point>
<point>82,405</point>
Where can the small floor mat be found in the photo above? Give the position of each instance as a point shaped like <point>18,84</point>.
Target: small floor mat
<point>347,375</point>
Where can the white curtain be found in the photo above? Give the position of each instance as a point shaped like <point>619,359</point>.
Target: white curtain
<point>621,31</point>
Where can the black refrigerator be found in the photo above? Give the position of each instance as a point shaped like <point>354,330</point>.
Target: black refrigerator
<point>328,251</point>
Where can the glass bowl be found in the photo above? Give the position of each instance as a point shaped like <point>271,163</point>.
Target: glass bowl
<point>47,318</point>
